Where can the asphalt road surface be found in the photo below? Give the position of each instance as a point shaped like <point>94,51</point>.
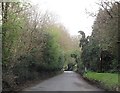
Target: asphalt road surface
<point>67,81</point>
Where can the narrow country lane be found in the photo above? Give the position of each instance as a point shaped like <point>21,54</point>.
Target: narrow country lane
<point>68,81</point>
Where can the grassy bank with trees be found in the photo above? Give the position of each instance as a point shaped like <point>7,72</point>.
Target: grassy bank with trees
<point>100,51</point>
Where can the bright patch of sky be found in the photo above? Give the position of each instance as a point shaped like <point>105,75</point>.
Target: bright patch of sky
<point>71,13</point>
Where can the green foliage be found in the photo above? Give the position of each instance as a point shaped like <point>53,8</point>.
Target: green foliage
<point>53,53</point>
<point>100,50</point>
<point>11,30</point>
<point>31,46</point>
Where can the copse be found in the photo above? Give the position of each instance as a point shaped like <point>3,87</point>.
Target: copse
<point>100,50</point>
<point>31,45</point>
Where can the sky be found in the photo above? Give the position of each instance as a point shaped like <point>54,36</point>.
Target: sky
<point>71,13</point>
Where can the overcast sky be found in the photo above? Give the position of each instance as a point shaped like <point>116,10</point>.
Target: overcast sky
<point>71,13</point>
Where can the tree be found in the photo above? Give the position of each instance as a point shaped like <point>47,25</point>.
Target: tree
<point>100,49</point>
<point>31,44</point>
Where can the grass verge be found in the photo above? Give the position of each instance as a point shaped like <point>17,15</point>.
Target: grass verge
<point>109,81</point>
